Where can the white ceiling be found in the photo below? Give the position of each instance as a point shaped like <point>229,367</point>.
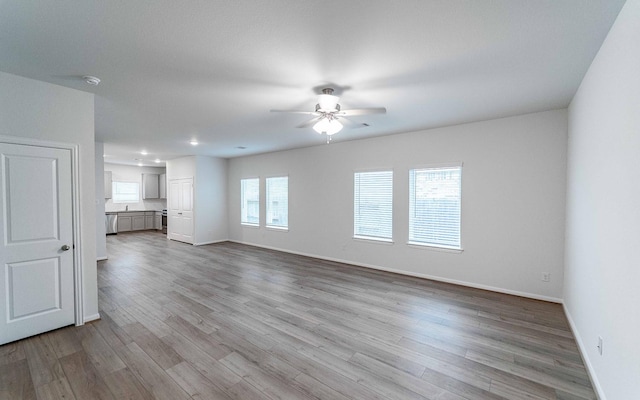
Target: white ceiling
<point>212,70</point>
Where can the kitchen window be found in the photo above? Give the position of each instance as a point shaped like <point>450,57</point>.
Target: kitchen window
<point>250,201</point>
<point>278,202</point>
<point>125,192</point>
<point>434,207</point>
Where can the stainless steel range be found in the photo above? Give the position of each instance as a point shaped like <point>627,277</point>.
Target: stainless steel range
<point>164,220</point>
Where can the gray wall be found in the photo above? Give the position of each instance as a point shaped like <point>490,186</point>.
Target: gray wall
<point>602,264</point>
<point>209,195</point>
<point>39,110</point>
<point>513,206</point>
<point>101,229</point>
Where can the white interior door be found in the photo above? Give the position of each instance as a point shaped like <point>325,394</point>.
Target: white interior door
<point>180,210</point>
<point>36,237</point>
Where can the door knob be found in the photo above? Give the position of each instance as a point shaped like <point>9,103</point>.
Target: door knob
<point>65,247</point>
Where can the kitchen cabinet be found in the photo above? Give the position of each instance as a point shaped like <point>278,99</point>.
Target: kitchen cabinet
<point>149,220</point>
<point>150,186</point>
<point>158,220</point>
<point>124,222</point>
<point>163,186</point>
<point>108,179</point>
<point>137,222</point>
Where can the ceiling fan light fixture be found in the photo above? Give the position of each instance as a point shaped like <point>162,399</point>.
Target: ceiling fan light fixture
<point>328,126</point>
<point>328,103</point>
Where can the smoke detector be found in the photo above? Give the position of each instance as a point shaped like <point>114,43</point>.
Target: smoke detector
<point>91,80</point>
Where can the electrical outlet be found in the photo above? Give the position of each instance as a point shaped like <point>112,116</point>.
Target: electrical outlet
<point>600,345</point>
<point>546,277</point>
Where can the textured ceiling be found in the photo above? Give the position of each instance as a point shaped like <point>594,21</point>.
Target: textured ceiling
<point>212,70</point>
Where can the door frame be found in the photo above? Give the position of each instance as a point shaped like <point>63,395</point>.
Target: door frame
<point>75,210</point>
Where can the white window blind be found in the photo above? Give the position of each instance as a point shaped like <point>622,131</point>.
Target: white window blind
<point>434,206</point>
<point>373,205</point>
<point>125,192</point>
<point>250,198</point>
<point>278,202</point>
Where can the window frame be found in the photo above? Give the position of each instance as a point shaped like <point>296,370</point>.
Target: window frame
<point>429,245</point>
<point>381,239</point>
<point>266,192</point>
<point>244,214</point>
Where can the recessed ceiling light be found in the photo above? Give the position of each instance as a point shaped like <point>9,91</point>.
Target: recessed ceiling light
<point>91,80</point>
<point>139,164</point>
<point>193,142</point>
<point>144,152</point>
<point>157,160</point>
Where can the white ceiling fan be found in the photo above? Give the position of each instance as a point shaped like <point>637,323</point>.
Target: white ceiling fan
<point>329,118</point>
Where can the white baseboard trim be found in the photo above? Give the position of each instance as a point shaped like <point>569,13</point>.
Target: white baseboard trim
<point>585,356</point>
<point>102,258</point>
<point>211,242</point>
<point>90,318</point>
<point>414,274</point>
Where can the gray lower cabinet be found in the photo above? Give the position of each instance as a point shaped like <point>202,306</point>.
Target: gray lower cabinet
<point>149,220</point>
<point>124,223</point>
<point>158,220</point>
<point>138,221</point>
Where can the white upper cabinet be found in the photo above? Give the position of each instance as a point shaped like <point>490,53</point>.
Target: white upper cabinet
<point>150,186</point>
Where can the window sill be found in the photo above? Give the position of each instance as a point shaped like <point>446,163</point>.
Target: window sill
<point>433,247</point>
<point>278,228</point>
<point>373,239</point>
<point>247,225</point>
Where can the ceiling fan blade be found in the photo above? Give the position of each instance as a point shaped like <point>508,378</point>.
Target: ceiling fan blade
<point>297,112</point>
<point>362,111</point>
<point>308,123</point>
<point>350,124</point>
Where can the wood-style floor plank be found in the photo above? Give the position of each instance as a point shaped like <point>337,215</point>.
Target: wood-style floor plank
<point>229,321</point>
<point>83,377</point>
<point>15,381</point>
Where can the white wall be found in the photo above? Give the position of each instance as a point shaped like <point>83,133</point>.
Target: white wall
<point>101,230</point>
<point>210,195</point>
<point>132,173</point>
<point>39,110</point>
<point>181,168</point>
<point>602,285</point>
<point>211,200</point>
<point>513,206</point>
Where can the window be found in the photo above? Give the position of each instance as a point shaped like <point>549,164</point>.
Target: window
<point>373,205</point>
<point>278,202</point>
<point>125,192</point>
<point>250,197</point>
<point>434,206</point>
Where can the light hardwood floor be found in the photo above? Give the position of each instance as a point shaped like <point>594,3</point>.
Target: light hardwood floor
<point>229,321</point>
